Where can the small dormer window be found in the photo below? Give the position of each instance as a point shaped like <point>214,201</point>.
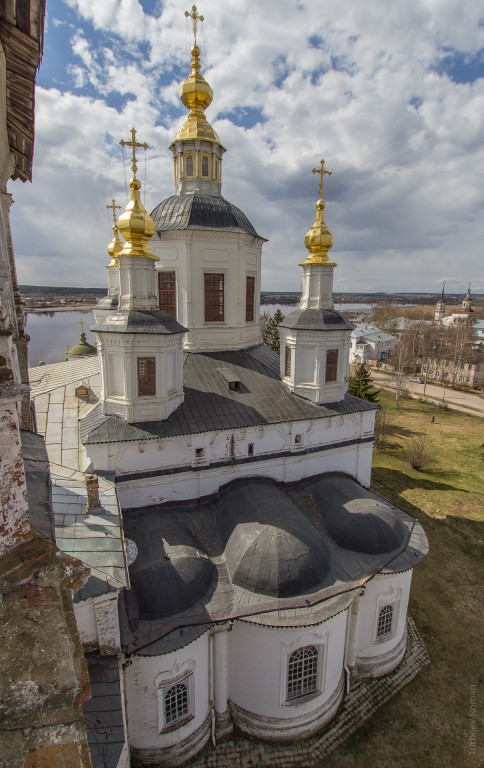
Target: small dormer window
<point>205,166</point>
<point>189,165</point>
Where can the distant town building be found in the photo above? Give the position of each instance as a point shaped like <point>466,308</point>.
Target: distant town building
<point>370,345</point>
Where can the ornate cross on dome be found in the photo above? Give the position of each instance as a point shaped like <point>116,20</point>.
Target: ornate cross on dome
<point>322,171</point>
<point>113,207</point>
<point>81,323</point>
<point>133,143</point>
<point>194,16</point>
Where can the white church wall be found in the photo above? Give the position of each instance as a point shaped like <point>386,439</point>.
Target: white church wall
<point>378,656</point>
<point>98,623</point>
<point>145,679</point>
<point>195,484</point>
<point>258,677</point>
<point>194,253</point>
<point>167,453</point>
<point>86,622</point>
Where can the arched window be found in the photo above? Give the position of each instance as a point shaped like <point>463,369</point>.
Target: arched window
<point>385,622</point>
<point>214,170</point>
<point>189,165</point>
<point>302,672</point>
<point>176,703</point>
<point>205,166</point>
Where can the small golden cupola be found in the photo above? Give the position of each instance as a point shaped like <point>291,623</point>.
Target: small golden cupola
<point>197,151</point>
<point>115,246</point>
<point>319,239</point>
<point>135,224</point>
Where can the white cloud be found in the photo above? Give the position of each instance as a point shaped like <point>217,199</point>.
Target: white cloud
<point>354,82</point>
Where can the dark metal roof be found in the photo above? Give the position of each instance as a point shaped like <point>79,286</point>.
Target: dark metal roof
<point>139,321</point>
<point>316,320</point>
<point>103,711</point>
<point>210,404</point>
<point>259,550</point>
<point>193,210</point>
<point>361,523</point>
<point>36,465</point>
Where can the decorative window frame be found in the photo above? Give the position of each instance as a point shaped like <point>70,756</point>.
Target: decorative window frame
<point>318,641</point>
<point>150,378</point>
<point>331,367</point>
<point>288,361</point>
<point>224,274</point>
<point>204,156</point>
<point>189,155</point>
<point>391,597</point>
<point>164,682</point>
<point>160,273</point>
<point>253,277</point>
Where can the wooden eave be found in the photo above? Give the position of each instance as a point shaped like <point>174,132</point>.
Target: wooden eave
<point>21,35</point>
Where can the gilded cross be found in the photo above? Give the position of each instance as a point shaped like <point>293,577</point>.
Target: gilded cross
<point>194,16</point>
<point>322,171</point>
<point>81,323</point>
<point>133,144</point>
<point>113,207</point>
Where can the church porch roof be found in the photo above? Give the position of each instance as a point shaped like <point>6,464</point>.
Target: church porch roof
<point>211,405</point>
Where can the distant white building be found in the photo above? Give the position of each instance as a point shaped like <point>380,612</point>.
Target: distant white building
<point>369,344</point>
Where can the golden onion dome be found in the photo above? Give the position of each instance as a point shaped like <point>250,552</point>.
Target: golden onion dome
<point>319,239</point>
<point>114,247</point>
<point>136,226</point>
<point>196,95</point>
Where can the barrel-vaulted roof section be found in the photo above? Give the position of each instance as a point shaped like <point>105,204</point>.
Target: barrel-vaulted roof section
<point>196,210</point>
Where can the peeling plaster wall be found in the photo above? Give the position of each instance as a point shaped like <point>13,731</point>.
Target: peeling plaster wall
<point>43,677</point>
<point>14,520</point>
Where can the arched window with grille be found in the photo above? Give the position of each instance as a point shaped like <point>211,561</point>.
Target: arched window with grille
<point>176,703</point>
<point>205,166</point>
<point>189,166</point>
<point>303,672</point>
<point>385,622</point>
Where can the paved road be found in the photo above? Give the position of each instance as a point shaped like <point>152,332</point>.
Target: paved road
<point>467,402</point>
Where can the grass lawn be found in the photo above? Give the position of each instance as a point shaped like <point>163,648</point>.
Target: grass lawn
<point>427,725</point>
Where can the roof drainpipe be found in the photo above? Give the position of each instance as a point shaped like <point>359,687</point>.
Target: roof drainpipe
<point>211,672</point>
<point>350,640</point>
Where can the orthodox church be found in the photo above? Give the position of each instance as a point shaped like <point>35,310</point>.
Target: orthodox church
<point>264,579</point>
<point>463,315</point>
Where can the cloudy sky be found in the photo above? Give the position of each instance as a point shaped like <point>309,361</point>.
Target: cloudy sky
<point>389,92</point>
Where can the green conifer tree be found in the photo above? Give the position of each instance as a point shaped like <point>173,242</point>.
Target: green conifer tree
<point>361,385</point>
<point>270,333</point>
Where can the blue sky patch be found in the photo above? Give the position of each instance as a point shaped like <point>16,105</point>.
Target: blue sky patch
<point>244,117</point>
<point>462,67</point>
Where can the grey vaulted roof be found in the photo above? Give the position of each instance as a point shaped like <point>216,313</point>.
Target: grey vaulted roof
<point>316,320</point>
<point>209,403</point>
<point>260,551</point>
<point>102,713</point>
<point>139,321</point>
<point>195,210</point>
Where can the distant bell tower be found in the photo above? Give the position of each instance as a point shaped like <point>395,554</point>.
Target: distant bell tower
<point>467,303</point>
<point>315,338</point>
<point>440,306</point>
